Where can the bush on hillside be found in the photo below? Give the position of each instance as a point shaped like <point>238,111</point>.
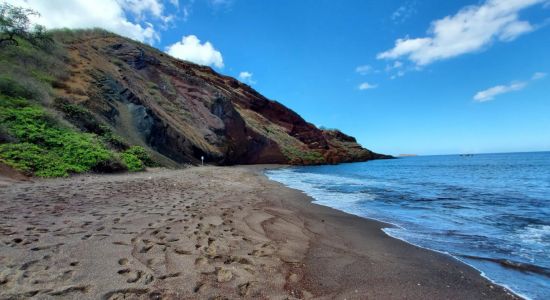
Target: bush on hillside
<point>82,118</point>
<point>132,162</point>
<point>136,158</point>
<point>44,147</point>
<point>141,154</point>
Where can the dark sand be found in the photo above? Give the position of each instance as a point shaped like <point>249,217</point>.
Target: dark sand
<point>203,233</point>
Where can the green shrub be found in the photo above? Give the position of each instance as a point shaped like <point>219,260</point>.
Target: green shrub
<point>31,158</point>
<point>132,162</point>
<point>136,158</point>
<point>141,154</point>
<point>44,147</point>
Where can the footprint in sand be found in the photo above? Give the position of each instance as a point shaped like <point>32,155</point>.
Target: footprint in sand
<point>179,250</point>
<point>133,276</point>
<point>243,289</point>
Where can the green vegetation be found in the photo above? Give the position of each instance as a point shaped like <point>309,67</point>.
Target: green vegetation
<point>42,146</point>
<point>12,88</point>
<point>142,155</point>
<point>296,155</point>
<point>132,162</point>
<point>136,158</point>
<point>32,63</point>
<point>29,70</point>
<point>82,118</point>
<point>68,36</point>
<point>113,140</point>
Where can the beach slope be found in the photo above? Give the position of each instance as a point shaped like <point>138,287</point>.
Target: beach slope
<point>207,233</point>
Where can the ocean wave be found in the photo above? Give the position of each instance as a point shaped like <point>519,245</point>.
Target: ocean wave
<point>536,234</point>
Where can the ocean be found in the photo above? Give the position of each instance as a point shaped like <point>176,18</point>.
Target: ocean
<point>491,211</point>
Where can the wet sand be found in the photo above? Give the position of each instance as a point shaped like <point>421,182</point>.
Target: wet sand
<point>207,233</point>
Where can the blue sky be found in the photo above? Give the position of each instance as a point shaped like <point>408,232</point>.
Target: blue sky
<point>423,77</point>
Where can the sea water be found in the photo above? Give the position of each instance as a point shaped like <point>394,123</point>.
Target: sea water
<point>491,211</point>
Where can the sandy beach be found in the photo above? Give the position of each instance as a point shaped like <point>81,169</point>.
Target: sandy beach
<point>207,233</point>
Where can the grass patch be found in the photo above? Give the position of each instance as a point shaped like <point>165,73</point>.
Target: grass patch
<point>12,88</point>
<point>66,35</point>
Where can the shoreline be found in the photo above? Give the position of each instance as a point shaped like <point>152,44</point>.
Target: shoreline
<point>385,225</point>
<point>382,225</point>
<point>205,232</point>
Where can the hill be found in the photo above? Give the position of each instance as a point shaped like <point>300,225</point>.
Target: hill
<point>129,105</point>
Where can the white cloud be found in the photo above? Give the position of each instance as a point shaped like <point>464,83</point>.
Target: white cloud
<point>364,69</point>
<point>538,75</point>
<point>403,12</point>
<point>191,49</point>
<point>140,7</point>
<point>469,30</point>
<point>246,77</point>
<point>491,93</point>
<point>107,14</point>
<point>367,86</point>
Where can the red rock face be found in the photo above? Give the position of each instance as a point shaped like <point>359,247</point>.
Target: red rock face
<point>183,111</point>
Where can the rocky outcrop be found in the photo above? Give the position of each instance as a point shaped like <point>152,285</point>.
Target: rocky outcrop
<point>181,111</point>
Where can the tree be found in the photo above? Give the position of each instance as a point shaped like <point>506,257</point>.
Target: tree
<point>15,23</point>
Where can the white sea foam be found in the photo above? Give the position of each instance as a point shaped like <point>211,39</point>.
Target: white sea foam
<point>314,185</point>
<point>536,234</point>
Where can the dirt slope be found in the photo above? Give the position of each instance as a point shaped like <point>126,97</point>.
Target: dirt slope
<point>182,111</point>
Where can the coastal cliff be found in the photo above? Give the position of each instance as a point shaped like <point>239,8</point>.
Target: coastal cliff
<point>102,83</point>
